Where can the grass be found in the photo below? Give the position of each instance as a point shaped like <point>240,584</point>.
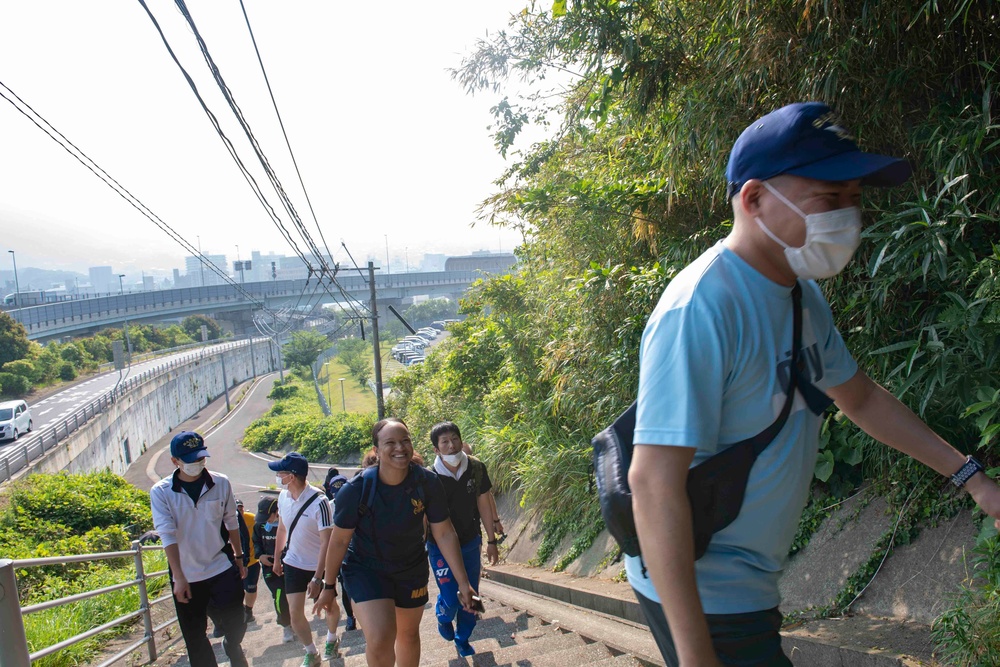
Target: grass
<point>356,398</point>
<point>49,627</point>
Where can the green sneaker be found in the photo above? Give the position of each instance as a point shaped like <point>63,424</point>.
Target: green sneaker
<point>330,652</point>
<point>312,660</point>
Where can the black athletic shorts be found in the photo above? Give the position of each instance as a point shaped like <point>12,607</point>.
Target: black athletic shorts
<point>407,588</point>
<point>296,580</point>
<point>253,576</point>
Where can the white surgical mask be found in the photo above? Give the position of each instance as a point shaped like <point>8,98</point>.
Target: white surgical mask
<point>193,469</point>
<point>453,459</point>
<point>277,480</point>
<point>831,240</point>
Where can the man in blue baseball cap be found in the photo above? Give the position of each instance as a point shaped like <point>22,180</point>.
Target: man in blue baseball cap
<point>719,374</point>
<point>305,519</point>
<point>194,512</point>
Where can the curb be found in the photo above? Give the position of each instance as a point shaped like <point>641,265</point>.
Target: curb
<point>802,650</point>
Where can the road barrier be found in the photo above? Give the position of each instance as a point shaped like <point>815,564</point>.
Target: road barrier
<point>20,456</point>
<point>14,648</point>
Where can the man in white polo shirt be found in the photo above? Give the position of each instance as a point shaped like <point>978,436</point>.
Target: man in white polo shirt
<point>304,521</point>
<point>194,512</point>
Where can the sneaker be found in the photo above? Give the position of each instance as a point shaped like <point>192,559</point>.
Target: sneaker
<point>446,630</point>
<point>464,648</point>
<point>288,635</point>
<point>217,632</point>
<point>330,651</point>
<point>352,624</point>
<point>248,616</point>
<point>311,660</point>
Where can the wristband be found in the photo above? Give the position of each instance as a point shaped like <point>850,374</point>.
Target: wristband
<point>237,555</point>
<point>965,473</point>
<point>327,586</point>
<point>491,541</point>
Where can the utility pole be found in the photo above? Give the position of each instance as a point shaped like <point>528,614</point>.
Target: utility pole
<point>388,269</point>
<point>379,399</point>
<point>225,380</point>
<point>201,262</point>
<point>253,362</point>
<point>128,340</point>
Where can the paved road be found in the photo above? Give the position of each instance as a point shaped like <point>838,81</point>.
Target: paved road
<point>58,406</point>
<point>247,471</point>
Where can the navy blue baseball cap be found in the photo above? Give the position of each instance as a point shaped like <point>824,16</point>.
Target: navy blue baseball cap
<point>806,139</point>
<point>188,446</point>
<point>293,462</point>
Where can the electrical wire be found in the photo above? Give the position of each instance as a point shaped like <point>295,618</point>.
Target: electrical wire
<point>84,159</point>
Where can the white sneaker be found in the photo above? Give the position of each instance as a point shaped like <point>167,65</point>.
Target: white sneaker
<point>289,635</point>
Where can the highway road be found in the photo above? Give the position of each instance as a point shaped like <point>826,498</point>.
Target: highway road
<point>56,407</point>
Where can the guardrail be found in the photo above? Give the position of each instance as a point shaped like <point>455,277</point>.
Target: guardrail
<point>14,648</point>
<point>21,455</point>
<point>165,352</point>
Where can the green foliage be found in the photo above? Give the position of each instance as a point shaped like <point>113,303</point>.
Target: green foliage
<point>304,347</point>
<point>357,355</point>
<point>67,372</point>
<point>14,343</point>
<point>47,515</point>
<point>14,385</point>
<point>968,634</point>
<point>192,327</point>
<point>22,367</point>
<point>338,437</point>
<point>296,422</point>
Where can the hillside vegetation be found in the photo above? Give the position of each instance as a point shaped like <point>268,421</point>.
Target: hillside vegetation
<point>631,187</point>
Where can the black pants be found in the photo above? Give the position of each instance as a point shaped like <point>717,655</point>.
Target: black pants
<point>276,585</point>
<point>345,598</point>
<point>221,599</point>
<point>740,640</point>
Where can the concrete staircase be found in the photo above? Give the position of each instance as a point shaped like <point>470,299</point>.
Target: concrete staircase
<point>506,635</point>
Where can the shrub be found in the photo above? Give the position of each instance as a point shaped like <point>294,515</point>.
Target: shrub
<point>67,372</point>
<point>21,367</point>
<point>281,391</point>
<point>337,437</point>
<point>14,385</point>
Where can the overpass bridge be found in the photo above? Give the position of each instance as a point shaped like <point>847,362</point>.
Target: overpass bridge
<point>53,320</point>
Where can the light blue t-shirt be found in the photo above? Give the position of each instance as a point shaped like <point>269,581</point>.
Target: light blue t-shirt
<point>713,363</point>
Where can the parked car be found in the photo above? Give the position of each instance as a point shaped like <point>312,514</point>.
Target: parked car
<point>15,419</point>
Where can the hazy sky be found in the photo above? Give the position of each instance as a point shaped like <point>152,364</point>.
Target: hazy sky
<point>387,143</point>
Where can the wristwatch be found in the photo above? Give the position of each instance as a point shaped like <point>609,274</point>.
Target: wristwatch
<point>965,473</point>
<point>327,586</point>
<point>317,580</point>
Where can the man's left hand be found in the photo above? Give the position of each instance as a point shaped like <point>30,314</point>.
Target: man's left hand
<point>492,554</point>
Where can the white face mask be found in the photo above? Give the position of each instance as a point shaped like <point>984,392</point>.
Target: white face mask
<point>831,240</point>
<point>453,459</point>
<point>279,482</point>
<point>193,469</point>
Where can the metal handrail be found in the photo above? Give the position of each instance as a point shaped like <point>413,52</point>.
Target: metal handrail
<point>14,649</point>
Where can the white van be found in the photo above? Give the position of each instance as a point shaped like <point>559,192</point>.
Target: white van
<point>15,419</point>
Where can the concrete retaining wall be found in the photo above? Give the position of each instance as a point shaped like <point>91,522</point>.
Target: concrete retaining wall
<point>118,436</point>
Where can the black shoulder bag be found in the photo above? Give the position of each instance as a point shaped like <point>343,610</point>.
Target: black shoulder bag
<point>288,538</point>
<point>715,487</point>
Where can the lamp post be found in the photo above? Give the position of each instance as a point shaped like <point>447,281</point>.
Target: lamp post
<point>128,340</point>
<point>329,390</point>
<point>343,401</point>
<point>201,262</point>
<point>387,270</point>
<point>17,285</point>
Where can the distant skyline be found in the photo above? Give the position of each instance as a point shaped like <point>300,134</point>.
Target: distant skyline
<point>392,150</point>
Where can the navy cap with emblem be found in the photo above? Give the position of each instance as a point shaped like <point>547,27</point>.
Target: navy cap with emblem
<point>293,462</point>
<point>188,446</point>
<point>806,139</point>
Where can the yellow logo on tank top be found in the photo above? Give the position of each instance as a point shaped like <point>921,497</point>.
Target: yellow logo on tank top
<point>418,505</point>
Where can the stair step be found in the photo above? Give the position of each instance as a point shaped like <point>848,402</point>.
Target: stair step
<point>581,655</point>
<point>618,661</point>
<point>531,648</point>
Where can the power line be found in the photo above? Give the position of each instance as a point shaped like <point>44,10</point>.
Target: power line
<point>71,148</point>
<point>277,113</point>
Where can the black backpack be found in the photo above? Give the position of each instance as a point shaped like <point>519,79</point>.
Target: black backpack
<point>715,487</point>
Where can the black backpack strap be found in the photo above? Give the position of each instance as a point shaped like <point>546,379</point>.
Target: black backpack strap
<point>298,516</point>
